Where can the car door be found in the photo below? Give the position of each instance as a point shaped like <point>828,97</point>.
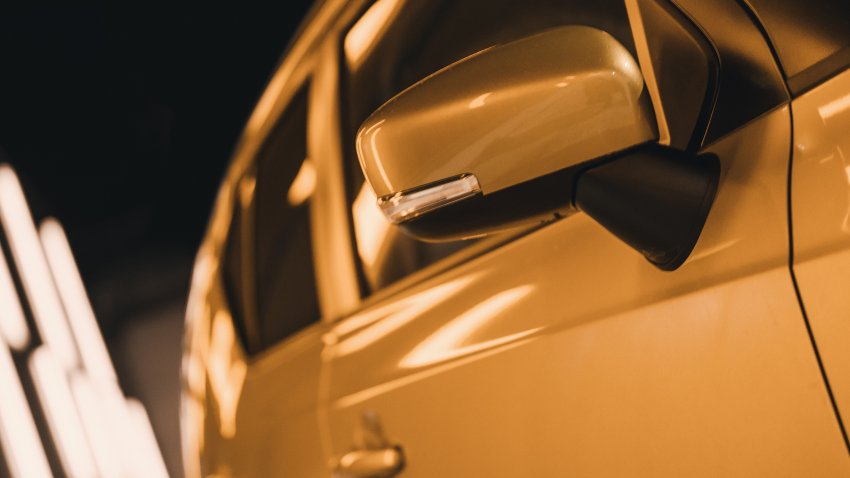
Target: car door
<point>255,338</point>
<point>559,351</point>
<point>259,302</point>
<point>820,198</point>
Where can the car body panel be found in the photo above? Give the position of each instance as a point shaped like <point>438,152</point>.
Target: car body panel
<point>339,291</point>
<point>820,207</point>
<point>556,351</point>
<point>233,422</point>
<point>566,353</point>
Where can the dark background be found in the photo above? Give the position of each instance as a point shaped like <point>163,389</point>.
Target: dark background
<point>120,119</point>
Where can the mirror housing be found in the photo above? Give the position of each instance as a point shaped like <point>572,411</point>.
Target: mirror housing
<point>501,138</point>
<point>504,116</point>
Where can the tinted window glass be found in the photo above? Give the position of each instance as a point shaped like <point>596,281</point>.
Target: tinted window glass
<point>811,38</point>
<point>395,44</point>
<point>284,280</point>
<point>277,293</point>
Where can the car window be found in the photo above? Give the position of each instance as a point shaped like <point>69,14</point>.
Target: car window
<point>268,263</point>
<point>812,39</point>
<point>393,45</point>
<point>232,270</point>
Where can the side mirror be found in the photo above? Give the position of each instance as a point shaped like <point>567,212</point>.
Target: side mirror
<point>532,131</point>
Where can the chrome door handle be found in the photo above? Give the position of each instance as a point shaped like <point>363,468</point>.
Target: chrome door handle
<point>380,463</point>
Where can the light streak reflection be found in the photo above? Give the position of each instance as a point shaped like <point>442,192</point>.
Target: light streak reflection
<point>303,185</point>
<point>365,34</point>
<point>395,317</point>
<point>453,339</point>
<point>371,228</point>
<point>834,107</point>
<point>226,372</point>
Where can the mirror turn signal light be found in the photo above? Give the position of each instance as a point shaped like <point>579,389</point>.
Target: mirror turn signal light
<point>406,205</point>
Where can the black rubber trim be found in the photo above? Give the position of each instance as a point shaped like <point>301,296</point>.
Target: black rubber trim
<point>814,74</point>
<point>820,72</point>
<point>687,68</point>
<point>750,82</point>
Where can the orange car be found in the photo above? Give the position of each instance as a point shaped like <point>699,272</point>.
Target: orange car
<point>469,238</point>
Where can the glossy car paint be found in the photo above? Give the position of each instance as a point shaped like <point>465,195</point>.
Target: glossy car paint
<point>561,352</point>
<point>260,418</point>
<point>510,114</point>
<point>565,353</point>
<point>820,207</point>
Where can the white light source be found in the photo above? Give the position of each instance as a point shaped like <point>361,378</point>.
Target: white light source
<point>119,426</point>
<point>60,258</point>
<point>105,449</point>
<point>21,446</point>
<point>97,432</point>
<point>63,419</point>
<point>32,266</point>
<point>148,463</point>
<point>13,325</point>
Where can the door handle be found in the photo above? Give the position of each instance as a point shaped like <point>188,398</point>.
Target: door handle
<point>372,456</point>
<point>379,463</point>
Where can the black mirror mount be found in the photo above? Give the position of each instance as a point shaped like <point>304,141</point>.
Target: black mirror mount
<point>655,199</point>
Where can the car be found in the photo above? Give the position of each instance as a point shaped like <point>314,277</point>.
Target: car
<point>465,238</point>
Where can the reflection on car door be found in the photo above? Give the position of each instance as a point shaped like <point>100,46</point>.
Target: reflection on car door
<point>254,333</point>
<point>820,193</point>
<point>565,353</point>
